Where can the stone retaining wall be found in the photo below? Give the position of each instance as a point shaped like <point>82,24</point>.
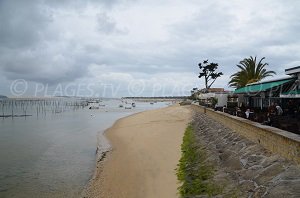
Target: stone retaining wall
<point>284,143</point>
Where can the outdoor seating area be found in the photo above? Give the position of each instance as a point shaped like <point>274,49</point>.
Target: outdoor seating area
<point>285,122</point>
<point>288,120</point>
<point>275,102</point>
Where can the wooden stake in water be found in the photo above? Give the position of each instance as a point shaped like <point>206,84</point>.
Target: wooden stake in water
<point>12,110</point>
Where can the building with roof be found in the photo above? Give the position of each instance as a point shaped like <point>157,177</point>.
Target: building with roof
<point>214,97</point>
<point>262,94</point>
<point>294,92</point>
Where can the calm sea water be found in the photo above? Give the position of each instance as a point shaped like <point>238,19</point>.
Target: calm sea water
<point>52,152</point>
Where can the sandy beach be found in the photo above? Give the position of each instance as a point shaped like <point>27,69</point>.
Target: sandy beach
<point>145,152</point>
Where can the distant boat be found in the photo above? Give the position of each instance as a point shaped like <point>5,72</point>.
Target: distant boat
<point>94,101</point>
<point>93,107</point>
<point>151,103</point>
<point>121,106</point>
<point>128,108</point>
<point>133,104</point>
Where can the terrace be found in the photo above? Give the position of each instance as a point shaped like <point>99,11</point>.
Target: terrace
<point>259,99</point>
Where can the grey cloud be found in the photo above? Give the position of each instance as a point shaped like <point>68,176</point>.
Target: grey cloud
<point>43,63</point>
<point>66,41</point>
<point>106,24</point>
<point>44,69</point>
<point>214,33</point>
<point>128,60</point>
<point>22,23</point>
<point>28,45</point>
<point>81,4</point>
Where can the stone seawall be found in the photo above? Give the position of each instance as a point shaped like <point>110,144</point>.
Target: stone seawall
<point>276,140</point>
<point>243,167</point>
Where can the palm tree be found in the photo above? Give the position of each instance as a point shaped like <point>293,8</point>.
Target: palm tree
<point>250,72</point>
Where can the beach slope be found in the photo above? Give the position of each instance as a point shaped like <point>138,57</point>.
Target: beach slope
<point>145,152</point>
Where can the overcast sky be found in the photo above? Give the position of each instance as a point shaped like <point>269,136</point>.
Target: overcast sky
<point>138,47</point>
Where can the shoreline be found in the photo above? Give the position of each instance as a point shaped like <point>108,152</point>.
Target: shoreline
<point>102,156</point>
<point>124,154</point>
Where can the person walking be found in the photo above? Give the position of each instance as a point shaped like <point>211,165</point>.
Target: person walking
<point>279,110</point>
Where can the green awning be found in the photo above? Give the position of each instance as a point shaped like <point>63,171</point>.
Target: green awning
<point>255,88</point>
<point>293,92</point>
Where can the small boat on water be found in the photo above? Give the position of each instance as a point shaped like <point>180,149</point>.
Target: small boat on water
<point>93,107</point>
<point>121,106</point>
<point>133,104</point>
<point>128,107</point>
<point>151,103</point>
<point>92,101</point>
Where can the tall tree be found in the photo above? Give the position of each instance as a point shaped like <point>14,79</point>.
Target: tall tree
<point>250,72</point>
<point>208,71</point>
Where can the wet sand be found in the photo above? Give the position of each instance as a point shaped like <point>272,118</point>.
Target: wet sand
<point>145,152</point>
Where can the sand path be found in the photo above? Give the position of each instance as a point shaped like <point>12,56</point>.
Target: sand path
<point>146,150</point>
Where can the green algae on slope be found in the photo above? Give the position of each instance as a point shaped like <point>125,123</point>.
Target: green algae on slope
<point>194,172</point>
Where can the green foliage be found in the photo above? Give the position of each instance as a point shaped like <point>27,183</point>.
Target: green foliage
<point>193,96</point>
<point>194,173</point>
<point>208,71</point>
<point>250,72</point>
<point>214,101</point>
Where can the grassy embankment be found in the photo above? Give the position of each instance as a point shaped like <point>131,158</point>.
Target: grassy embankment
<point>194,172</point>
